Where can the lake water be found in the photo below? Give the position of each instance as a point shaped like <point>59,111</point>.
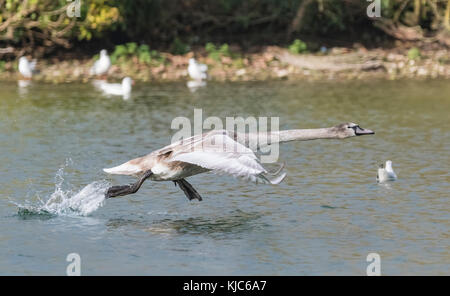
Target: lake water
<point>324,219</point>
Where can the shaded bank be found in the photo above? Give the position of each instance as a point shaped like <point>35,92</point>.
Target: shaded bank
<point>265,64</point>
<point>153,39</point>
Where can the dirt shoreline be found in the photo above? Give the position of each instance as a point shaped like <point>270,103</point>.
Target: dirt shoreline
<point>268,64</point>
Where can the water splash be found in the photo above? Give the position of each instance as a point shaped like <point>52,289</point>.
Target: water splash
<point>68,201</point>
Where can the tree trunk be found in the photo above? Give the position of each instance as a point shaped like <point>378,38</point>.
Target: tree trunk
<point>296,23</point>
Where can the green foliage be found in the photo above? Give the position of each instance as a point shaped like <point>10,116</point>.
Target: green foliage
<point>99,16</point>
<point>179,47</point>
<point>238,63</point>
<point>414,53</point>
<point>444,60</point>
<point>180,24</point>
<point>47,22</point>
<point>144,54</point>
<point>298,47</point>
<point>125,52</point>
<point>216,53</point>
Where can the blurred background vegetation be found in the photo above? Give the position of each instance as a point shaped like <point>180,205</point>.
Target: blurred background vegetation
<point>42,26</point>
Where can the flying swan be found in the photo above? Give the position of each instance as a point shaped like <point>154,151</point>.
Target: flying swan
<point>218,151</point>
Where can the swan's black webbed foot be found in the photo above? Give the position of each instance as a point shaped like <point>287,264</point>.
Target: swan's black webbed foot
<point>188,190</point>
<point>122,190</point>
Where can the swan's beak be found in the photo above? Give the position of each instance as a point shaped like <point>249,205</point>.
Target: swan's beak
<point>362,131</point>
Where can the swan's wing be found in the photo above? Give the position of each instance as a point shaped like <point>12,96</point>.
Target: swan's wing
<point>221,154</point>
<point>187,144</point>
<point>222,163</point>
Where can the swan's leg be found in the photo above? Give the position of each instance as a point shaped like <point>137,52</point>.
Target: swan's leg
<point>187,188</point>
<point>115,191</point>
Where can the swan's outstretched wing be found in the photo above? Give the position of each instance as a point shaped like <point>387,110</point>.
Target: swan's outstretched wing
<point>221,154</point>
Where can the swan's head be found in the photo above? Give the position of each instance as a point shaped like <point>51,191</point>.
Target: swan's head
<point>23,60</point>
<point>103,52</point>
<point>350,129</point>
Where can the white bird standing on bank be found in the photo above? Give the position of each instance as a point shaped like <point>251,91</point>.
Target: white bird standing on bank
<point>101,66</point>
<point>196,70</point>
<point>218,151</point>
<point>26,68</point>
<point>386,173</point>
<point>118,89</point>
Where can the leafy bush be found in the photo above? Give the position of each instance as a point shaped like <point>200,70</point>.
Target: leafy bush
<point>124,52</point>
<point>179,47</point>
<point>99,17</point>
<point>414,53</point>
<point>298,47</point>
<point>46,23</point>
<point>216,53</point>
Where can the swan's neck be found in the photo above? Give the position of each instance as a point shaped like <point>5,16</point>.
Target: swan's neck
<point>290,135</point>
<point>304,134</point>
<point>299,135</point>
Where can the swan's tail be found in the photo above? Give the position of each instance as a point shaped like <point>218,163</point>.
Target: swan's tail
<point>124,169</point>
